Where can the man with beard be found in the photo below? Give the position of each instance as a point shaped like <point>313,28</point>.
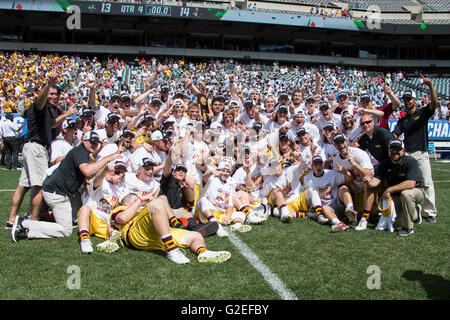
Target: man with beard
<point>326,116</point>
<point>398,176</point>
<point>350,127</point>
<point>414,127</point>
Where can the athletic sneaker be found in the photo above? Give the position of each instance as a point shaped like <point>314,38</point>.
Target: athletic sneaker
<point>405,232</point>
<point>276,212</point>
<point>86,246</point>
<point>252,219</point>
<point>322,219</point>
<point>431,219</point>
<point>352,216</point>
<point>213,256</point>
<point>115,237</point>
<point>8,225</point>
<point>244,228</point>
<point>339,227</point>
<point>221,232</point>
<point>362,225</point>
<point>18,231</point>
<point>178,256</point>
<point>207,229</point>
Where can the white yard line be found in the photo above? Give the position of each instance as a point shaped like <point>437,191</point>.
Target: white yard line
<point>8,190</point>
<point>271,278</point>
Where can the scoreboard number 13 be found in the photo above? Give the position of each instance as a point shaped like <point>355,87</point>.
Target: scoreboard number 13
<point>106,7</point>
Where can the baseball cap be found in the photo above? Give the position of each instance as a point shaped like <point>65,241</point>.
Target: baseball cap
<point>365,96</point>
<point>301,130</point>
<point>274,162</point>
<point>127,132</point>
<point>317,159</point>
<point>283,95</point>
<point>283,108</point>
<point>395,144</point>
<point>249,102</point>
<point>329,125</point>
<point>224,165</point>
<point>92,136</point>
<point>299,112</point>
<point>342,94</point>
<point>257,126</point>
<point>215,125</point>
<point>339,137</point>
<point>156,100</point>
<point>114,96</point>
<point>164,87</point>
<point>284,136</point>
<point>85,112</point>
<point>180,166</point>
<point>146,162</point>
<point>69,123</point>
<point>310,98</point>
<point>324,105</point>
<point>157,135</point>
<point>112,116</point>
<point>168,122</point>
<point>125,96</point>
<point>119,164</point>
<point>409,94</point>
<point>178,102</point>
<point>145,117</point>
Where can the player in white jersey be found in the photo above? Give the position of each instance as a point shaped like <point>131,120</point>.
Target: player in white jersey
<point>216,203</point>
<point>142,183</point>
<point>357,164</point>
<point>335,196</point>
<point>105,192</point>
<point>286,194</point>
<point>248,183</point>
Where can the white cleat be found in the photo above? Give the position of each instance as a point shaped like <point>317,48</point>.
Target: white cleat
<point>244,228</point>
<point>221,232</point>
<point>177,256</point>
<point>86,246</point>
<point>253,219</point>
<point>362,225</point>
<point>213,256</point>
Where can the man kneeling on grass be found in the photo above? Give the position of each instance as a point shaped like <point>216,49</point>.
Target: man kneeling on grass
<point>149,229</point>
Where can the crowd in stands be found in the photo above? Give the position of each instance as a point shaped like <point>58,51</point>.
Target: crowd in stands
<point>158,153</point>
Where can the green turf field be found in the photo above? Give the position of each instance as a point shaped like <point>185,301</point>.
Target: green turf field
<point>310,262</point>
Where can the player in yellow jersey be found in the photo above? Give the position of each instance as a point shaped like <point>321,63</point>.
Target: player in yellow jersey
<point>148,229</point>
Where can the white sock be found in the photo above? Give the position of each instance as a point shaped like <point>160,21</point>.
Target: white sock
<point>284,211</point>
<point>350,205</point>
<point>335,221</point>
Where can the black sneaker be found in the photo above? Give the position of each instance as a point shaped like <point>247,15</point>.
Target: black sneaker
<point>405,232</point>
<point>419,214</point>
<point>18,231</point>
<point>8,225</point>
<point>207,229</point>
<point>431,219</point>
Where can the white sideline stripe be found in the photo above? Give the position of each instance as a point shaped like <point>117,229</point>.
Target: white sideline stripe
<point>441,169</point>
<point>7,190</point>
<point>268,275</point>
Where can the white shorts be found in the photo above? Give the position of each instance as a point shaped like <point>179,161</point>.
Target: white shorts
<point>35,164</point>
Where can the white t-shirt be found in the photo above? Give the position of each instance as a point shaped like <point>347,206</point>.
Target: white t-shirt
<point>288,182</point>
<point>327,185</point>
<point>58,148</point>
<point>104,136</point>
<point>219,193</point>
<point>360,156</point>
<point>105,198</point>
<point>240,177</point>
<point>141,188</point>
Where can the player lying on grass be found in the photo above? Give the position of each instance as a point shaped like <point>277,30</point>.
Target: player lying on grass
<point>148,229</point>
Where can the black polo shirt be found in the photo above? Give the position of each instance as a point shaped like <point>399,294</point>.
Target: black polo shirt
<point>415,129</point>
<point>39,128</point>
<point>172,190</point>
<point>407,169</point>
<point>377,146</point>
<point>67,177</point>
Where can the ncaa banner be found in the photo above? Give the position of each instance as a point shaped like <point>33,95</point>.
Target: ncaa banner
<point>437,129</point>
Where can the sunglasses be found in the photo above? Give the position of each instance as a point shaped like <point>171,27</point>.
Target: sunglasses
<point>366,122</point>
